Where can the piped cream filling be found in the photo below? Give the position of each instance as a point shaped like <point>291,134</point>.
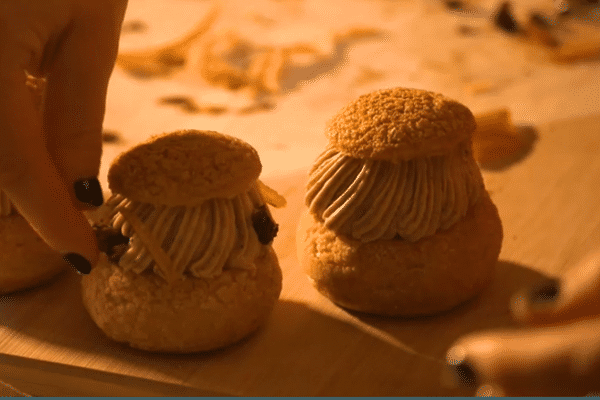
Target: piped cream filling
<point>6,207</point>
<point>201,241</point>
<point>371,199</point>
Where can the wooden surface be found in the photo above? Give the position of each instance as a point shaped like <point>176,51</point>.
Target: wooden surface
<point>550,206</point>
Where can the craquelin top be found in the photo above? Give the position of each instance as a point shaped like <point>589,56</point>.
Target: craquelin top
<point>400,124</point>
<point>185,168</point>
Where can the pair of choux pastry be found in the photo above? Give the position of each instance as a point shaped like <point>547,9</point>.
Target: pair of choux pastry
<point>397,222</point>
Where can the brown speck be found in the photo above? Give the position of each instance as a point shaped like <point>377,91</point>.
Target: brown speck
<point>215,110</point>
<point>171,60</point>
<point>466,30</point>
<point>185,103</point>
<point>134,26</point>
<point>111,137</point>
<point>505,20</point>
<point>188,105</point>
<point>257,107</point>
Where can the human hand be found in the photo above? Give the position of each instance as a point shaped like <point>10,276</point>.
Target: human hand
<point>49,160</point>
<point>558,354</point>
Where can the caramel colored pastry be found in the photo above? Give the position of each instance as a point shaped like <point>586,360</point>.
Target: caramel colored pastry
<point>397,219</point>
<point>26,260</point>
<point>187,236</point>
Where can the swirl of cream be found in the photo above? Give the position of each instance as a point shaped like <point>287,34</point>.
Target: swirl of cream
<point>202,240</point>
<point>375,199</point>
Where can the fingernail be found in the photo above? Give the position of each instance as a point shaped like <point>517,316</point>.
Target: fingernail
<point>462,371</point>
<point>546,292</point>
<point>490,391</point>
<point>78,262</point>
<point>465,375</point>
<point>89,191</point>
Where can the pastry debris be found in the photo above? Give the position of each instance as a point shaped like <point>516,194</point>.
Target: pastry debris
<point>109,136</point>
<point>583,44</point>
<point>225,60</point>
<point>189,105</point>
<point>505,20</point>
<point>495,138</point>
<point>163,62</point>
<point>271,196</point>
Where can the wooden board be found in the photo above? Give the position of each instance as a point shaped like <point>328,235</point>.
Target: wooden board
<point>548,201</point>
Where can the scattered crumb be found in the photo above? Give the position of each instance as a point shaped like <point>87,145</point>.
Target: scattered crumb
<point>504,19</point>
<point>496,138</point>
<point>164,61</point>
<point>539,20</point>
<point>228,60</point>
<point>189,105</point>
<point>577,50</point>
<point>584,44</point>
<point>481,87</point>
<point>466,30</point>
<point>257,107</point>
<point>134,26</point>
<point>111,137</point>
<point>271,196</point>
<point>214,109</point>
<point>185,103</point>
<point>263,20</point>
<point>538,30</point>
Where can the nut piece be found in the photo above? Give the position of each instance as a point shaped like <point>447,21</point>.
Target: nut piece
<point>111,242</point>
<point>266,229</point>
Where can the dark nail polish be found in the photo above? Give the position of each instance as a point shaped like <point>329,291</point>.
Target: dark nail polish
<point>545,293</point>
<point>78,262</point>
<point>89,191</point>
<point>465,375</point>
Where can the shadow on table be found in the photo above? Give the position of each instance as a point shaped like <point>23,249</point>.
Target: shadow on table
<point>301,350</point>
<point>432,336</point>
<point>529,136</point>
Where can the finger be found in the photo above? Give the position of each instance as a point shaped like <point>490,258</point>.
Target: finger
<point>29,178</point>
<point>575,296</point>
<point>78,77</point>
<point>562,360</point>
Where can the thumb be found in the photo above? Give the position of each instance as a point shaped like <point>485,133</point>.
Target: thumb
<point>562,360</point>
